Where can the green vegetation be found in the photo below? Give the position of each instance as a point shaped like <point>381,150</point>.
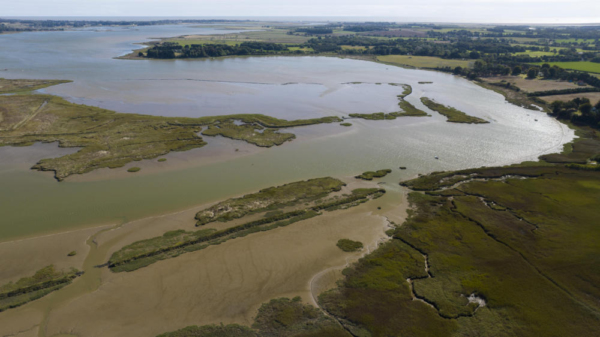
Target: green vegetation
<point>411,110</point>
<point>134,169</point>
<point>423,61</point>
<point>17,86</point>
<point>231,330</point>
<point>109,139</point>
<point>27,289</point>
<point>250,133</point>
<point>563,92</point>
<point>162,160</point>
<point>278,318</point>
<point>591,67</point>
<point>369,175</point>
<point>407,91</point>
<point>349,245</point>
<point>453,115</point>
<point>376,116</point>
<point>346,124</point>
<point>72,253</point>
<point>503,257</point>
<point>174,243</point>
<point>269,199</point>
<point>290,318</point>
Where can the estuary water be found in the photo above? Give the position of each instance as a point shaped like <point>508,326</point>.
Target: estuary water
<point>33,203</point>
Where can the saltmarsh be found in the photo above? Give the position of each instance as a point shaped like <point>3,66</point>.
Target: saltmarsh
<point>408,110</point>
<point>369,175</point>
<point>269,199</point>
<point>110,139</point>
<point>311,194</point>
<point>522,244</point>
<point>27,289</point>
<point>453,115</point>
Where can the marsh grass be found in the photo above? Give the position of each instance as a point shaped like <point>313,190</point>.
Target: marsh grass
<point>348,245</point>
<point>369,175</point>
<point>27,289</point>
<point>453,115</point>
<point>269,199</point>
<point>280,317</point>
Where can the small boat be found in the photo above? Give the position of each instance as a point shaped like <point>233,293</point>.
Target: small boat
<point>436,157</point>
<point>536,120</point>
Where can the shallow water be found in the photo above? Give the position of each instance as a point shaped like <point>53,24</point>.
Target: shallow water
<point>285,87</point>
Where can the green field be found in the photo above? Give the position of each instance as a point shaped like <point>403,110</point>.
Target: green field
<point>536,53</point>
<point>423,61</point>
<point>575,40</point>
<point>581,66</point>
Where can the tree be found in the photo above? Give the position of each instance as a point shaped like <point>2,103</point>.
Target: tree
<point>474,55</point>
<point>140,54</point>
<point>586,109</point>
<point>532,73</point>
<point>517,70</point>
<point>557,107</point>
<point>458,70</point>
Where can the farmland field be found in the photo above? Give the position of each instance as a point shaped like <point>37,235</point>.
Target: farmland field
<point>423,61</point>
<point>581,66</point>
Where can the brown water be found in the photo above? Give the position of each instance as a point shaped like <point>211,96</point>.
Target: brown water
<point>286,87</point>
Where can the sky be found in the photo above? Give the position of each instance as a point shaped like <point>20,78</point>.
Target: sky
<point>475,11</point>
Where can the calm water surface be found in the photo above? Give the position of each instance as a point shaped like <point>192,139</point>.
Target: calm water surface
<point>285,87</point>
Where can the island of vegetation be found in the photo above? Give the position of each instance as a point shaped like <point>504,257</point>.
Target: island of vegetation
<point>302,200</point>
<point>369,175</point>
<point>271,198</point>
<point>110,139</point>
<point>453,115</point>
<point>348,245</point>
<point>408,110</point>
<point>27,289</point>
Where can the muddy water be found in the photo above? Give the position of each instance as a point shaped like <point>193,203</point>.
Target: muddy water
<point>33,203</point>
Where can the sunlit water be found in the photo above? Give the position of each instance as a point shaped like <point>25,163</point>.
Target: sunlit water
<point>285,87</point>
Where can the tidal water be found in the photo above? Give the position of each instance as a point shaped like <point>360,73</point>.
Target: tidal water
<point>33,203</point>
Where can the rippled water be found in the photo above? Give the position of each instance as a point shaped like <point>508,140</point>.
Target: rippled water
<point>285,87</point>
